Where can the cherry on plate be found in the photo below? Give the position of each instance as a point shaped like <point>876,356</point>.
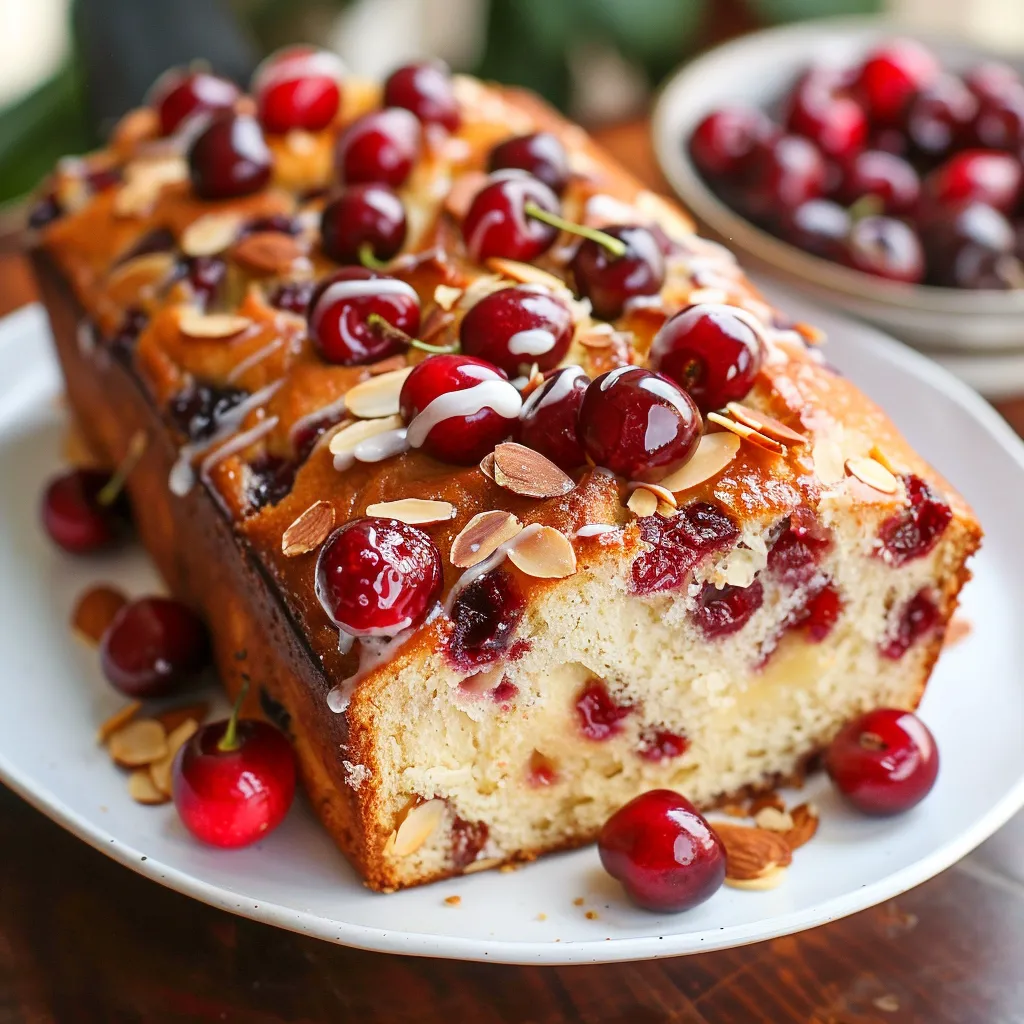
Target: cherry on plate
<point>298,87</point>
<point>549,420</point>
<point>365,224</point>
<point>977,175</point>
<point>540,154</point>
<point>784,174</point>
<point>376,577</point>
<point>887,248</point>
<point>724,141</point>
<point>884,762</point>
<point>891,75</point>
<point>229,158</point>
<point>609,279</point>
<point>499,220</point>
<point>152,646</point>
<point>381,146</point>
<point>77,514</point>
<point>177,95</point>
<point>665,854</point>
<point>426,90</point>
<point>818,226</point>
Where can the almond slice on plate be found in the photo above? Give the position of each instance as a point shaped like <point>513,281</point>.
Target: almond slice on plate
<point>417,827</point>
<point>95,610</point>
<point>210,234</point>
<point>524,471</point>
<point>713,454</point>
<point>117,721</point>
<point>751,852</point>
<point>871,472</point>
<point>309,530</point>
<point>482,536</point>
<point>765,424</point>
<point>139,742</point>
<point>746,433</point>
<point>772,878</point>
<point>203,326</point>
<point>642,503</point>
<point>805,825</point>
<point>267,252</point>
<point>414,511</point>
<point>378,396</point>
<point>143,790</point>
<point>544,553</point>
<point>160,769</point>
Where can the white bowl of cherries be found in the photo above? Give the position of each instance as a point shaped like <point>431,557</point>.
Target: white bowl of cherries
<point>873,169</point>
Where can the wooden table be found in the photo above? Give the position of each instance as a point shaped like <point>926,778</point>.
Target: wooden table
<point>82,939</point>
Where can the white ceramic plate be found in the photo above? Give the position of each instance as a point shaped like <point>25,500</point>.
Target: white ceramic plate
<point>53,697</point>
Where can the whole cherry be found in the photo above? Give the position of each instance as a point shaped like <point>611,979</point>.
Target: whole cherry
<point>540,154</point>
<point>381,146</point>
<point>229,158</point>
<point>784,173</point>
<point>549,420</point>
<point>889,178</point>
<point>887,248</point>
<point>609,276</point>
<point>724,141</point>
<point>79,513</point>
<point>938,117</point>
<point>818,226</point>
<point>504,218</point>
<point>298,88</point>
<point>891,75</point>
<point>963,242</point>
<point>999,123</point>
<point>884,762</point>
<point>364,224</point>
<point>179,94</point>
<point>665,854</point>
<point>976,175</point>
<point>425,89</point>
<point>836,123</point>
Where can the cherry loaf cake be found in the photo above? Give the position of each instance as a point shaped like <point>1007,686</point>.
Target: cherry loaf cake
<point>507,492</point>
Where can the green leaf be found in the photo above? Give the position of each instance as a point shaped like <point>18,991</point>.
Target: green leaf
<point>797,10</point>
<point>647,31</point>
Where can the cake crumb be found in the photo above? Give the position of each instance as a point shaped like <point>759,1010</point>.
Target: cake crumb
<point>507,869</point>
<point>887,1003</point>
<point>578,902</point>
<point>958,630</point>
<point>453,901</point>
<point>542,917</point>
<point>355,774</point>
<point>591,915</point>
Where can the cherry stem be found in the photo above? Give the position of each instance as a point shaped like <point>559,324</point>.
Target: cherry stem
<point>870,205</point>
<point>389,330</point>
<point>368,257</point>
<point>614,245</point>
<point>229,741</point>
<point>113,487</point>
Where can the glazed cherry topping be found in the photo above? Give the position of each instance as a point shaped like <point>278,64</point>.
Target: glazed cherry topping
<point>834,122</point>
<point>969,246</point>
<point>540,154</point>
<point>713,351</point>
<point>270,480</point>
<point>609,280</point>
<point>498,224</point>
<point>891,75</point>
<point>598,714</point>
<point>977,175</point>
<point>307,431</point>
<point>376,577</point>
<point>234,781</point>
<point>206,275</point>
<point>458,408</point>
<point>886,247</point>
<point>890,178</point>
<point>884,762</point>
<point>123,340</point>
<point>819,614</point>
<point>426,90</point>
<point>298,88</point>
<point>292,296</point>
<point>152,646</point>
<point>938,117</point>
<point>342,311</point>
<point>75,514</point>
<point>818,226</point>
<point>381,146</point>
<point>723,143</point>
<point>917,619</point>
<point>485,616</point>
<point>661,745</point>
<point>784,173</point>
<point>177,95</point>
<point>366,222</point>
<point>638,424</point>
<point>517,326</point>
<point>548,422</point>
<point>799,547</point>
<point>198,410</point>
<point>913,532</point>
<point>229,158</point>
<point>667,857</point>
<point>726,610</point>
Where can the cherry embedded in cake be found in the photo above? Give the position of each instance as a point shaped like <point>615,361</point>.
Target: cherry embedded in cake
<point>382,146</point>
<point>200,408</point>
<point>659,745</point>
<point>229,158</point>
<point>485,616</point>
<point>298,89</point>
<point>913,532</point>
<point>205,276</point>
<point>598,715</point>
<point>269,480</point>
<point>425,89</point>
<point>499,221</point>
<point>549,420</point>
<point>609,277</point>
<point>721,611</point>
<point>819,613</point>
<point>77,514</point>
<point>796,552</point>
<point>540,154</point>
<point>915,621</point>
<point>179,95</point>
<point>292,296</point>
<point>365,224</point>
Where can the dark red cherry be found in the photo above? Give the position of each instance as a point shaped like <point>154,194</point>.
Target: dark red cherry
<point>834,122</point>
<point>977,175</point>
<point>206,275</point>
<point>366,222</point>
<point>999,123</point>
<point>298,87</point>
<point>485,616</point>
<point>153,645</point>
<point>798,549</point>
<point>721,611</point>
<point>198,410</point>
<point>341,311</point>
<point>292,296</point>
<point>819,614</point>
<point>724,141</point>
<point>887,248</point>
<point>548,422</point>
<point>638,424</point>
<point>381,146</point>
<point>917,619</point>
<point>540,154</point>
<point>598,714</point>
<point>891,179</point>
<point>178,94</point>
<point>783,175</point>
<point>498,224</point>
<point>938,117</point>
<point>269,480</point>
<point>609,280</point>
<point>659,745</point>
<point>458,408</point>
<point>891,75</point>
<point>229,158</point>
<point>884,762</point>
<point>965,244</point>
<point>713,351</point>
<point>426,90</point>
<point>516,326</point>
<point>913,532</point>
<point>663,851</point>
<point>376,577</point>
<point>818,226</point>
<point>74,515</point>
<point>991,79</point>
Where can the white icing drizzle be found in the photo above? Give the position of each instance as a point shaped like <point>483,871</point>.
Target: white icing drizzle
<point>608,210</point>
<point>492,561</point>
<point>329,411</point>
<point>254,359</point>
<point>85,334</point>
<point>613,375</point>
<point>533,342</point>
<point>498,395</point>
<point>237,444</point>
<point>596,530</point>
<point>357,289</point>
<point>520,183</point>
<point>382,446</point>
<point>561,385</point>
<point>291,67</point>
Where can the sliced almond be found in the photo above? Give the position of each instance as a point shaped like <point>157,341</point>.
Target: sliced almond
<point>596,339</point>
<point>437,321</point>
<point>482,536</point>
<point>751,852</point>
<point>345,441</point>
<point>417,827</point>
<point>713,454</point>
<point>267,252</point>
<point>210,234</point>
<point>811,334</point>
<point>483,864</point>
<point>160,769</point>
<point>487,465</point>
<point>534,379</point>
<point>771,879</point>
<point>642,503</point>
<point>309,530</point>
<point>544,553</point>
<point>446,296</point>
<point>765,424</point>
<point>117,721</point>
<point>829,465</point>
<point>868,471</point>
<point>414,511</point>
<point>95,610</point>
<point>133,277</point>
<point>525,273</point>
<point>746,433</point>
<point>173,717</point>
<point>134,127</point>
<point>958,630</point>
<point>140,742</point>
<point>144,181</point>
<point>667,511</point>
<point>773,819</point>
<point>805,825</point>
<point>662,493</point>
<point>143,790</point>
<point>524,471</point>
<point>206,326</point>
<point>378,396</point>
<point>717,296</point>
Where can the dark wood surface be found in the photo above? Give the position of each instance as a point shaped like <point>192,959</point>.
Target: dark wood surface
<point>82,939</point>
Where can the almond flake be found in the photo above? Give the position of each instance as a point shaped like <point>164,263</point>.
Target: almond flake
<point>173,717</point>
<point>525,273</point>
<point>534,379</point>
<point>661,492</point>
<point>267,252</point>
<point>309,530</point>
<point>482,536</point>
<point>483,681</point>
<point>811,334</point>
<point>522,470</point>
<point>872,473</point>
<point>378,396</point>
<point>642,503</point>
<point>210,234</point>
<point>667,511</point>
<point>713,454</point>
<point>766,424</point>
<point>446,296</point>
<point>143,790</point>
<point>160,769</point>
<point>130,279</point>
<point>95,610</point>
<point>544,553</point>
<point>879,456</point>
<point>771,879</point>
<point>958,630</point>
<point>144,181</point>
<point>483,864</point>
<point>345,440</point>
<point>202,326</point>
<point>746,433</point>
<point>487,465</point>
<point>773,819</point>
<point>417,827</point>
<point>718,296</point>
<point>805,825</point>
<point>414,511</point>
<point>751,852</point>
<point>829,466</point>
<point>140,742</point>
<point>596,339</point>
<point>134,127</point>
<point>117,721</point>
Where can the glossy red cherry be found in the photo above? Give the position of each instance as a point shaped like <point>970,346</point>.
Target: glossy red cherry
<point>784,174</point>
<point>229,158</point>
<point>712,351</point>
<point>517,326</point>
<point>663,851</point>
<point>342,312</point>
<point>498,224</point>
<point>724,141</point>
<point>890,178</point>
<point>977,175</point>
<point>381,146</point>
<point>177,95</point>
<point>234,781</point>
<point>485,617</point>
<point>76,517</point>
<point>548,422</point>
<point>891,75</point>
<point>818,226</point>
<point>638,424</point>
<point>458,408</point>
<point>540,154</point>
<point>884,762</point>
<point>887,248</point>
<point>834,122</point>
<point>938,117</point>
<point>999,123</point>
<point>426,90</point>
<point>721,611</point>
<point>376,577</point>
<point>152,645</point>
<point>991,78</point>
<point>610,279</point>
<point>598,714</point>
<point>967,246</point>
<point>298,88</point>
<point>365,223</point>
